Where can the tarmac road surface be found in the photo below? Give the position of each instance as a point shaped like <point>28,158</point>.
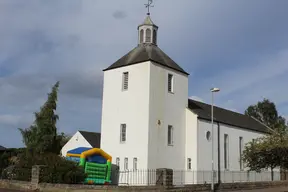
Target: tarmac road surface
<point>283,189</point>
<point>9,190</point>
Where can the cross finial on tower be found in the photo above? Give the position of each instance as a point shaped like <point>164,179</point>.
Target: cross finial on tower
<point>148,5</point>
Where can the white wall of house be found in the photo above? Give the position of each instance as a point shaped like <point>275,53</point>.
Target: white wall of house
<point>233,172</point>
<point>191,147</point>
<point>130,107</point>
<point>146,101</point>
<point>169,108</point>
<point>204,153</point>
<point>77,140</point>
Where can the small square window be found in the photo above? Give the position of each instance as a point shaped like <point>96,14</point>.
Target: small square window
<point>123,133</point>
<point>125,81</point>
<point>170,83</point>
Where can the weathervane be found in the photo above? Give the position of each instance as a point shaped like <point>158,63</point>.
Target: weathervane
<point>148,5</point>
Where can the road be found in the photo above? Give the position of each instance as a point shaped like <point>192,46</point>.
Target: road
<point>9,190</point>
<point>283,189</point>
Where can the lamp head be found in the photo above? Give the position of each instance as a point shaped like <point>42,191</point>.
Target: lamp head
<point>214,89</point>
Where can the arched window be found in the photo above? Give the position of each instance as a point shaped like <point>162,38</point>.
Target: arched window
<point>148,35</point>
<point>141,36</point>
<point>154,36</point>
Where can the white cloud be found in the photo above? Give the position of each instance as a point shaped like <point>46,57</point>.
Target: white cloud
<point>14,120</point>
<point>72,41</point>
<point>250,82</point>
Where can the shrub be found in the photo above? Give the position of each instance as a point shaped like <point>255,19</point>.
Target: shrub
<point>53,168</point>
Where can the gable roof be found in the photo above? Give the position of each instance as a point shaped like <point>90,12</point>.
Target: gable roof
<point>93,138</point>
<point>146,52</point>
<point>2,148</point>
<point>225,116</point>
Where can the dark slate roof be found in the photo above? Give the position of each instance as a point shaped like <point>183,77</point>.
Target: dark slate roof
<point>2,148</point>
<point>225,116</point>
<point>92,137</point>
<point>146,52</point>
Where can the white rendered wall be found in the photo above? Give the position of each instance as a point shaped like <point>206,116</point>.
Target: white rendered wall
<point>191,147</point>
<point>146,101</point>
<point>129,107</point>
<point>233,173</point>
<point>77,140</point>
<point>169,108</point>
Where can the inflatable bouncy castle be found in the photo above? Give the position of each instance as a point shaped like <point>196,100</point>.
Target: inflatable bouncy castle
<point>96,163</point>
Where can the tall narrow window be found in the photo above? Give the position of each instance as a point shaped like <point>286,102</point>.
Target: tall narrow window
<point>126,163</point>
<point>226,151</point>
<point>148,35</point>
<point>154,36</point>
<point>141,36</point>
<point>118,162</point>
<point>125,80</point>
<point>170,135</point>
<point>135,164</point>
<point>240,152</point>
<point>170,83</point>
<point>123,133</point>
<point>189,163</point>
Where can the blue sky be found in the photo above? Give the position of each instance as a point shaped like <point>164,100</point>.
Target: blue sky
<point>239,46</point>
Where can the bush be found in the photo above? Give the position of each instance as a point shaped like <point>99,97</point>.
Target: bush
<point>53,169</point>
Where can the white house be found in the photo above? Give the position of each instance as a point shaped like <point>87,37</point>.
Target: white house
<point>82,139</point>
<point>148,122</point>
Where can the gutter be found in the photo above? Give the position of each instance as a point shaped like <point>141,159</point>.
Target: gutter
<point>247,128</point>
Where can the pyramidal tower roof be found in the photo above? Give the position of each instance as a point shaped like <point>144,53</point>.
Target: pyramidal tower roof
<point>148,21</point>
<point>147,49</point>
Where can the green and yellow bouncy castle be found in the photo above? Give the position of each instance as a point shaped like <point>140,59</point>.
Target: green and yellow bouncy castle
<point>96,163</point>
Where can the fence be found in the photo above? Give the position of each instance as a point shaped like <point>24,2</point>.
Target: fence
<point>153,177</point>
<point>189,177</point>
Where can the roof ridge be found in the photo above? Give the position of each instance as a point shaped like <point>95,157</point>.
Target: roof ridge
<point>218,107</point>
<point>146,52</point>
<point>88,131</point>
<point>226,116</point>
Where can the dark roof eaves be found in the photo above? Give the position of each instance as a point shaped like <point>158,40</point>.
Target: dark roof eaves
<point>2,148</point>
<point>147,25</point>
<point>134,63</point>
<point>247,128</point>
<point>181,71</point>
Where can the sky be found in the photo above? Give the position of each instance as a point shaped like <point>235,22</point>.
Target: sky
<point>239,46</point>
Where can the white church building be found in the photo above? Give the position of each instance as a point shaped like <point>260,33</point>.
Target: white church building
<point>148,122</point>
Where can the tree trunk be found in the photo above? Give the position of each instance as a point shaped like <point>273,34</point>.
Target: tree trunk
<point>272,174</point>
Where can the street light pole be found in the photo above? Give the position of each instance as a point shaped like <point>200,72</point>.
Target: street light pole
<point>212,139</point>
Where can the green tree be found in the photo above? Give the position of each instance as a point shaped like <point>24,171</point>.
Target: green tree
<point>42,136</point>
<point>54,169</point>
<point>266,112</point>
<point>270,151</point>
<point>267,152</point>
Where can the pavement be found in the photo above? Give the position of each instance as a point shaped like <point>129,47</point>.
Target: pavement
<point>282,189</point>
